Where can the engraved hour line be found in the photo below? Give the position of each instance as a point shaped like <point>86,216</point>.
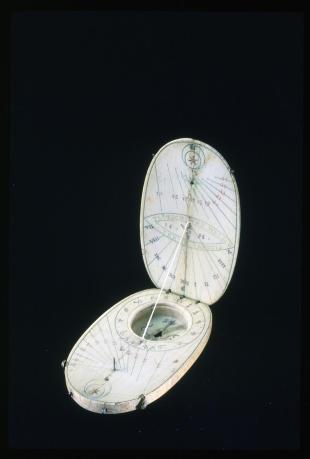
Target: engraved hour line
<point>86,354</point>
<point>204,274</point>
<point>199,189</point>
<point>195,190</point>
<point>219,196</point>
<point>220,201</point>
<point>101,346</point>
<point>187,184</point>
<point>168,270</point>
<point>204,209</point>
<point>96,349</point>
<point>189,208</point>
<point>93,338</point>
<point>167,262</point>
<point>176,201</point>
<point>205,252</point>
<point>105,340</point>
<point>161,251</point>
<point>187,212</point>
<point>123,355</point>
<point>79,359</point>
<point>219,208</point>
<point>224,179</point>
<point>214,215</point>
<point>174,273</point>
<point>212,267</point>
<point>170,240</point>
<point>143,362</point>
<point>135,359</point>
<point>216,261</point>
<point>195,281</point>
<point>157,365</point>
<point>83,354</point>
<point>175,279</point>
<point>221,184</point>
<point>128,353</point>
<point>215,269</point>
<point>92,366</point>
<point>178,178</point>
<point>186,179</point>
<point>103,358</point>
<point>207,181</point>
<point>175,268</point>
<point>161,209</point>
<point>81,364</point>
<point>186,255</point>
<point>112,338</point>
<point>204,278</point>
<point>152,242</point>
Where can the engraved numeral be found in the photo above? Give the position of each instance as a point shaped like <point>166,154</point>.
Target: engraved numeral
<point>221,263</point>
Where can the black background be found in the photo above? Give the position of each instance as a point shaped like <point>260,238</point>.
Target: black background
<point>93,96</point>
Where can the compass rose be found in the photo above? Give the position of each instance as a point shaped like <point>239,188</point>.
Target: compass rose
<point>193,156</point>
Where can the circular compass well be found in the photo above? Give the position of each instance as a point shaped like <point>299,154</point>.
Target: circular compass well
<point>167,322</point>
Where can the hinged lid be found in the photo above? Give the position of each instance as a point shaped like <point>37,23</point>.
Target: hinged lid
<point>189,181</point>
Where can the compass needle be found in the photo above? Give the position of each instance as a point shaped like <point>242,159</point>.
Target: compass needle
<point>189,227</point>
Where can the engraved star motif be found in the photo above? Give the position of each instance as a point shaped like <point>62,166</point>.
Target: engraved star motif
<point>193,159</point>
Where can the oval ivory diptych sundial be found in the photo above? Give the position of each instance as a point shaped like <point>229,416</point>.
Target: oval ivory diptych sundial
<point>189,227</point>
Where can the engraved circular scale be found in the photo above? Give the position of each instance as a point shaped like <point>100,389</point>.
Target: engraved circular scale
<point>189,226</point>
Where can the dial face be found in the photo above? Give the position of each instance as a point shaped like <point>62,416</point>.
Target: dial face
<point>190,183</point>
<point>113,363</point>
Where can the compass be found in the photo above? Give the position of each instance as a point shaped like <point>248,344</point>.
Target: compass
<point>189,226</point>
<point>168,323</point>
